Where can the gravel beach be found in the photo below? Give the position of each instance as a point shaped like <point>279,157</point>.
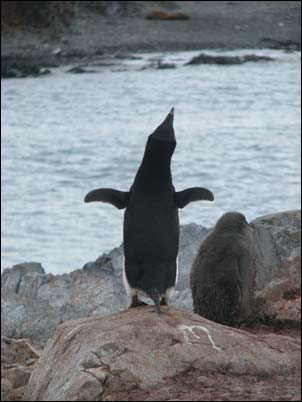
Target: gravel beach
<point>123,29</point>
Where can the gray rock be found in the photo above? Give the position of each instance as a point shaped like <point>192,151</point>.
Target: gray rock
<point>278,263</point>
<point>11,278</point>
<point>191,236</point>
<point>93,357</point>
<point>27,317</point>
<point>277,238</point>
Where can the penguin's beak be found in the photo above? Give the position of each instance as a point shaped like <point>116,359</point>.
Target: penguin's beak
<point>165,131</point>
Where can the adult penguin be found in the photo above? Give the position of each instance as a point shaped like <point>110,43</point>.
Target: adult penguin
<point>151,222</point>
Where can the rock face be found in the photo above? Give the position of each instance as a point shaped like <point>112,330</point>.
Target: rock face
<point>278,264</point>
<point>278,238</point>
<point>35,303</point>
<point>97,357</point>
<point>18,358</point>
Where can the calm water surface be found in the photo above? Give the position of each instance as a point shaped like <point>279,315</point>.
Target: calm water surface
<point>237,127</point>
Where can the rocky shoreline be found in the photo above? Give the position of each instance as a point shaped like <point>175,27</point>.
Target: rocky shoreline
<point>210,25</point>
<point>34,304</point>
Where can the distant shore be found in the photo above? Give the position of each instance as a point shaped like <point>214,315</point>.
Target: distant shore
<point>211,25</point>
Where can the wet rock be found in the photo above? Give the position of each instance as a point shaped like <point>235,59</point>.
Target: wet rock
<point>22,69</point>
<point>158,65</point>
<point>91,358</point>
<point>164,66</point>
<point>226,60</point>
<point>80,70</point>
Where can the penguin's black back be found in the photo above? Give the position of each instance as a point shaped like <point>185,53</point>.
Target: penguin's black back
<point>151,237</point>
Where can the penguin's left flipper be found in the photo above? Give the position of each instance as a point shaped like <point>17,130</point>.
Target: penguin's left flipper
<point>118,199</point>
<point>183,198</point>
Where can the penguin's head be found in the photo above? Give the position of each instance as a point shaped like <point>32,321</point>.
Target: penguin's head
<point>231,222</point>
<point>162,141</point>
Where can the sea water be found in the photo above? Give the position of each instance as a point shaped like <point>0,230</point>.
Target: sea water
<point>237,129</point>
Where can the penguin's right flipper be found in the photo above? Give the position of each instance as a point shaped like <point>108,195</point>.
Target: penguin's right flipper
<point>118,199</point>
<point>183,198</point>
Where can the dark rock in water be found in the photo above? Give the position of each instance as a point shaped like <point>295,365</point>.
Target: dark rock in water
<point>18,67</point>
<point>21,71</point>
<point>159,65</point>
<point>164,66</point>
<point>80,70</point>
<point>91,358</point>
<point>253,57</point>
<point>226,60</point>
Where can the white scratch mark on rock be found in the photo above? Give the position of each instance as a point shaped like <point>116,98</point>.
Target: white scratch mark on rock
<point>189,328</point>
<point>71,332</point>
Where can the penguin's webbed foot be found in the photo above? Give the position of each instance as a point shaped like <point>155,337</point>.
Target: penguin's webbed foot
<point>137,303</point>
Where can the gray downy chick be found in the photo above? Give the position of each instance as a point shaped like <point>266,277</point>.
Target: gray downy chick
<point>223,273</point>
